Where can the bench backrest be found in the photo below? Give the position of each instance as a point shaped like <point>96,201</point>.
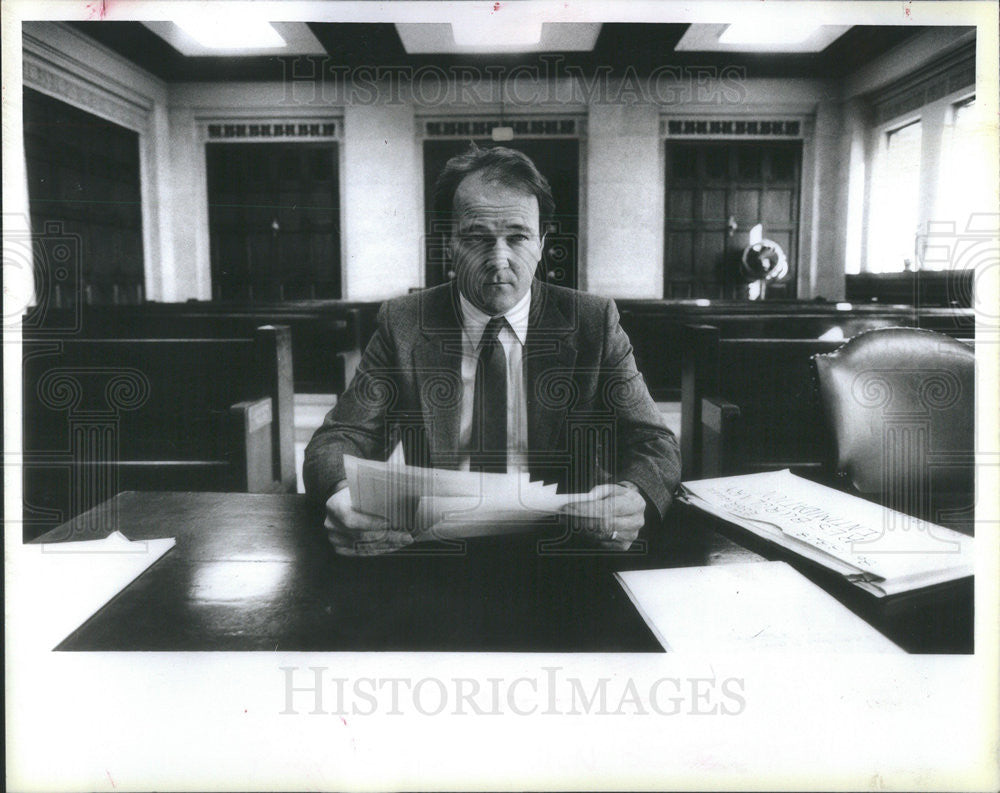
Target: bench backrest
<point>326,343</point>
<point>771,390</point>
<point>656,329</point>
<point>193,414</point>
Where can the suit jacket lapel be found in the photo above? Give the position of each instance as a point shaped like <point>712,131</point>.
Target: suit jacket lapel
<point>437,362</point>
<point>549,357</point>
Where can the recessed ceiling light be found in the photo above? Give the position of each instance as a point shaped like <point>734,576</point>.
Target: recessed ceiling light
<point>495,34</point>
<point>232,33</point>
<point>757,33</point>
<point>214,35</point>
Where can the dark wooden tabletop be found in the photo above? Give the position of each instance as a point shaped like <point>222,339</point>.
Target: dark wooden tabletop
<point>255,572</point>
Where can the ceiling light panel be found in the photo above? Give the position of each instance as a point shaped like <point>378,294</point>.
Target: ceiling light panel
<point>791,35</point>
<point>497,34</point>
<point>228,35</point>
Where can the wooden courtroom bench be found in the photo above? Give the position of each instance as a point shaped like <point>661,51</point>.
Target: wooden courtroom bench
<point>655,327</point>
<point>749,405</point>
<point>327,337</point>
<point>105,415</point>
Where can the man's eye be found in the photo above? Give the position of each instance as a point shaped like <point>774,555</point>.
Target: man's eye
<point>518,238</point>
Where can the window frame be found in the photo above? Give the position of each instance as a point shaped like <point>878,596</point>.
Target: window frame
<point>936,119</point>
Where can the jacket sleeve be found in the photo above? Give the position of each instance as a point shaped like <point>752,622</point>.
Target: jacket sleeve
<point>647,451</point>
<point>357,423</point>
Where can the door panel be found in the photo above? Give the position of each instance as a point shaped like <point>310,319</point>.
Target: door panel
<point>274,220</point>
<point>749,181</point>
<point>84,192</point>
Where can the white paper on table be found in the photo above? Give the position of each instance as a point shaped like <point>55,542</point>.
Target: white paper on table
<point>849,534</point>
<point>756,606</point>
<point>71,581</point>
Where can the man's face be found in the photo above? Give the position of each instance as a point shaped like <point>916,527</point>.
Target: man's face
<point>496,246</point>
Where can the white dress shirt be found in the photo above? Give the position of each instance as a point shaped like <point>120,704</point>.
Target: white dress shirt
<point>512,338</point>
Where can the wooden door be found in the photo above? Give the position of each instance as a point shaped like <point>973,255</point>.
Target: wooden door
<point>559,161</point>
<point>715,192</point>
<point>84,198</point>
<point>274,220</point>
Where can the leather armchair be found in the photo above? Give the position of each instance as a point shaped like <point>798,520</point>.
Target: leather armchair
<point>900,405</point>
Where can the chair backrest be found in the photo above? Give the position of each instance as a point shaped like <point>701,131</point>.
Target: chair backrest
<point>900,404</point>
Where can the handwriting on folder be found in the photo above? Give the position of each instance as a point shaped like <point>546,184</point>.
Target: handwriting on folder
<point>879,549</point>
<point>442,504</point>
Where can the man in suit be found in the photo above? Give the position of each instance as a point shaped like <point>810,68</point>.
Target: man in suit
<point>498,371</point>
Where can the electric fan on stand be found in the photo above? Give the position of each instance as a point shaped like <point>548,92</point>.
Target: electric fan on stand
<point>763,261</point>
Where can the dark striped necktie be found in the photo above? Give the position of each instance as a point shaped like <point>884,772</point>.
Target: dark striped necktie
<point>489,412</point>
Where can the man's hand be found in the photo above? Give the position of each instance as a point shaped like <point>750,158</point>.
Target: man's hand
<point>354,533</point>
<point>610,515</point>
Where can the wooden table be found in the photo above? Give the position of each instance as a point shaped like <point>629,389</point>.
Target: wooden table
<point>255,572</point>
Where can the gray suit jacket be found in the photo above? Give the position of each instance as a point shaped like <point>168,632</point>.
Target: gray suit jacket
<point>591,419</point>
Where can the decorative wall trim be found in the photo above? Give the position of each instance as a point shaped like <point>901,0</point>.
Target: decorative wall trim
<point>69,86</point>
<point>289,130</point>
<point>482,127</point>
<point>946,75</point>
<point>749,128</point>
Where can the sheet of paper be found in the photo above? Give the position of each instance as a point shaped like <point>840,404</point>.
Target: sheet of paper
<point>378,487</point>
<point>759,606</point>
<point>444,504</point>
<point>454,517</point>
<point>71,581</point>
<point>901,551</point>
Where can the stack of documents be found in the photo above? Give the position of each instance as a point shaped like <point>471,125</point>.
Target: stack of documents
<point>760,606</point>
<point>879,550</point>
<point>437,504</point>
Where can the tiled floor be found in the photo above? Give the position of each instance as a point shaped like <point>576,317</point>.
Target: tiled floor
<point>310,410</point>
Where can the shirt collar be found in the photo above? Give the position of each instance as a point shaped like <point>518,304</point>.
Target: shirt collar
<point>474,321</point>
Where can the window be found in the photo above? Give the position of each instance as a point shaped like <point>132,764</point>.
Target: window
<point>964,187</point>
<point>895,190</point>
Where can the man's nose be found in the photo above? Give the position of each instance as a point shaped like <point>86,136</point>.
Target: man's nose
<point>499,253</point>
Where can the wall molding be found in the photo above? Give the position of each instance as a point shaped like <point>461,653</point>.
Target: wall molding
<point>736,127</point>
<point>481,126</point>
<point>946,75</point>
<point>258,130</point>
<point>80,84</point>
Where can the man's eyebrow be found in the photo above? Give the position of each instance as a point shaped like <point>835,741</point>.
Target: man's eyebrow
<point>474,226</point>
<point>477,226</point>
